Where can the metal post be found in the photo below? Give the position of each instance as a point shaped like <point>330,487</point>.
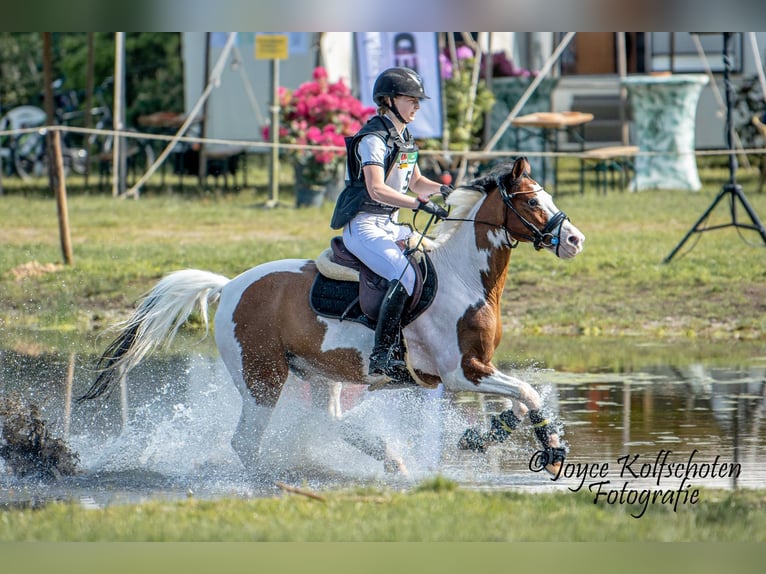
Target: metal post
<point>118,156</point>
<point>274,168</point>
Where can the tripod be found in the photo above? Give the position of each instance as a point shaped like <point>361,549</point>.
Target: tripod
<point>731,189</point>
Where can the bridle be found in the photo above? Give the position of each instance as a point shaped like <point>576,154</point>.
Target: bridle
<point>549,236</point>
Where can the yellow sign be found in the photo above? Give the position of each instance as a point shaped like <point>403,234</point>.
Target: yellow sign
<point>271,47</point>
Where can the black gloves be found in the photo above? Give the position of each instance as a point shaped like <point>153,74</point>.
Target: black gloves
<point>445,190</point>
<point>433,209</point>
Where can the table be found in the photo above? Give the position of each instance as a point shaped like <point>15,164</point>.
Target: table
<point>664,108</point>
<point>550,124</point>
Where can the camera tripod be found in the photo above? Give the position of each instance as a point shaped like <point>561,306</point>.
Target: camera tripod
<point>731,189</point>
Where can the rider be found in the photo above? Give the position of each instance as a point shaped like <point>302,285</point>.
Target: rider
<point>381,167</point>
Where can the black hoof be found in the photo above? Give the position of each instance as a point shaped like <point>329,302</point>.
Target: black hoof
<point>473,441</point>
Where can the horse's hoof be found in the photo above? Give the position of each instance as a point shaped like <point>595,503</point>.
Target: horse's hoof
<point>472,440</point>
<point>554,459</point>
<point>554,468</point>
<point>394,464</point>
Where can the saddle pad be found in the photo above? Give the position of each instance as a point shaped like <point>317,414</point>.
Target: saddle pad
<point>340,299</point>
<point>337,300</point>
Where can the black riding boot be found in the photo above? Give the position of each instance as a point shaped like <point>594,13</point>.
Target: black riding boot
<point>383,360</point>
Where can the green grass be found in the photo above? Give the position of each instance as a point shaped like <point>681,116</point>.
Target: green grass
<point>426,514</point>
<point>616,306</point>
<point>617,289</point>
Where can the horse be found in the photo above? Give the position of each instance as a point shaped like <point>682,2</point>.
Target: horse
<point>265,328</point>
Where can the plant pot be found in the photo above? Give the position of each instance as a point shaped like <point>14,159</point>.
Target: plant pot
<point>309,195</point>
<point>314,194</point>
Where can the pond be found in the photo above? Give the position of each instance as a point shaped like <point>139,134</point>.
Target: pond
<point>165,434</point>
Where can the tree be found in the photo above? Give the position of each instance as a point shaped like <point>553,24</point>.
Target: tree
<point>20,68</point>
<point>154,68</point>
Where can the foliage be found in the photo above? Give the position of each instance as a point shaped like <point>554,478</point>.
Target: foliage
<point>319,113</point>
<point>153,69</point>
<point>749,102</point>
<point>464,111</point>
<point>20,68</point>
<point>464,132</point>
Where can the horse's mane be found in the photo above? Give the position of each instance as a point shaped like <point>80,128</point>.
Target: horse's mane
<point>462,200</point>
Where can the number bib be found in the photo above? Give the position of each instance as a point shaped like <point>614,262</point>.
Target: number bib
<point>400,175</point>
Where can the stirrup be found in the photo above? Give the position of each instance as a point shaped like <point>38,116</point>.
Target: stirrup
<point>398,378</point>
<point>384,359</point>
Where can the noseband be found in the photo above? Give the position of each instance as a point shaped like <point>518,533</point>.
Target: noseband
<point>549,236</point>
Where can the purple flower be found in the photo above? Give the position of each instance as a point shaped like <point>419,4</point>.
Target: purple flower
<point>446,66</point>
<point>464,53</point>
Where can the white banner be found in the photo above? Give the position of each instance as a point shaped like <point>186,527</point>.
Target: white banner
<point>419,51</point>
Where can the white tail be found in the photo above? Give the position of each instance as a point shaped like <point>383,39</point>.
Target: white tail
<point>155,321</point>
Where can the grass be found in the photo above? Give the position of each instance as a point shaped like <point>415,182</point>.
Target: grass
<point>425,514</point>
<point>617,290</point>
<point>616,305</point>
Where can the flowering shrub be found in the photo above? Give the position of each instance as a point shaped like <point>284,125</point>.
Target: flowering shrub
<point>319,113</point>
<point>463,135</point>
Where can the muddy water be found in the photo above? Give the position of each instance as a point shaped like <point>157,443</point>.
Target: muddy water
<point>166,433</point>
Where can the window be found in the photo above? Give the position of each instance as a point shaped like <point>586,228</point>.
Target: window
<point>680,52</point>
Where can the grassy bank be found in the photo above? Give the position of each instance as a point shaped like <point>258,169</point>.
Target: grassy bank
<point>617,290</point>
<point>617,305</point>
<point>425,514</point>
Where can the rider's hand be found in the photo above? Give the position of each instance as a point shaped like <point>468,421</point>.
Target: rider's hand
<point>445,190</point>
<point>433,209</point>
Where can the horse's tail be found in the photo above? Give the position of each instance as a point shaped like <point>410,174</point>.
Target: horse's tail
<point>156,320</point>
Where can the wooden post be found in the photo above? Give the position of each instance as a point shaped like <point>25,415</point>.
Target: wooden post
<point>60,190</point>
<point>68,395</point>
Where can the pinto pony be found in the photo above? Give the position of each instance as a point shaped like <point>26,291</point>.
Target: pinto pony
<point>266,329</point>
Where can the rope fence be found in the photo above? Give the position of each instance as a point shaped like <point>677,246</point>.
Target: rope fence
<point>262,145</point>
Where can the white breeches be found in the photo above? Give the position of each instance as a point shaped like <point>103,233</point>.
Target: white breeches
<point>372,238</point>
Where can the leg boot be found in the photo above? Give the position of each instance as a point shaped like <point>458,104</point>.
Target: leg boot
<point>553,453</point>
<point>383,360</point>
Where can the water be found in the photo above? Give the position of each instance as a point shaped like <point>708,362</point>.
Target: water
<point>166,434</point>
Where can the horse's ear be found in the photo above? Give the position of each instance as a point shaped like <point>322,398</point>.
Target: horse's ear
<point>520,167</point>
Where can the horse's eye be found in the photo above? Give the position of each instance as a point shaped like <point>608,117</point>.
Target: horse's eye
<point>533,202</point>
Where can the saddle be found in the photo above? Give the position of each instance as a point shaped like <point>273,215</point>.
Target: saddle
<point>347,290</point>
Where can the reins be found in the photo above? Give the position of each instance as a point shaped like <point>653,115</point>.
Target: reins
<point>549,236</point>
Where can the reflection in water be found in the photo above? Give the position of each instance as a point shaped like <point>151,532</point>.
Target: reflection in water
<point>166,435</point>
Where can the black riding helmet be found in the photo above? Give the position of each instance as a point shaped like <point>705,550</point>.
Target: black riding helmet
<point>398,82</point>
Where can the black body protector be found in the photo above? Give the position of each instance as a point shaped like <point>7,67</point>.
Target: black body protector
<point>355,198</point>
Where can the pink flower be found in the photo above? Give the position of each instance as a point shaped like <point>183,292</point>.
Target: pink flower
<point>319,113</point>
<point>464,53</point>
<point>445,64</point>
<point>319,73</point>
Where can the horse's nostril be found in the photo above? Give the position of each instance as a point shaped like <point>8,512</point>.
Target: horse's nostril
<point>573,239</point>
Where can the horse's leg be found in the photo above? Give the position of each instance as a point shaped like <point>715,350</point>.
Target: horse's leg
<point>246,440</point>
<point>526,401</point>
<point>256,361</point>
<point>327,396</point>
<point>374,446</point>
